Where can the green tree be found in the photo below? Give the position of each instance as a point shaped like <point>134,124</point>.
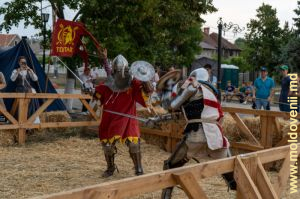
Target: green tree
<point>240,42</point>
<point>297,19</point>
<point>263,39</point>
<point>163,31</point>
<point>291,54</point>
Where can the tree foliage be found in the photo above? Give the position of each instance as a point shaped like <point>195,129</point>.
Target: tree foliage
<point>167,32</point>
<point>297,19</point>
<point>30,11</point>
<point>163,31</point>
<point>263,39</point>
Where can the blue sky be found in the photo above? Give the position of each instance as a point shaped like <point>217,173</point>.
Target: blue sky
<point>236,11</point>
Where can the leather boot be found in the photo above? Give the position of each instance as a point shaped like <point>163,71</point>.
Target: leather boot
<point>109,154</point>
<point>137,161</point>
<point>230,181</point>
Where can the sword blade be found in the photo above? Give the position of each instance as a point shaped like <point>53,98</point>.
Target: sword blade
<point>128,116</point>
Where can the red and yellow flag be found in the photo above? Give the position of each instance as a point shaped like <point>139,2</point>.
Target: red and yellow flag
<point>65,38</point>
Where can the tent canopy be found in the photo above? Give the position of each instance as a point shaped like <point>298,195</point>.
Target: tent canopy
<point>9,62</point>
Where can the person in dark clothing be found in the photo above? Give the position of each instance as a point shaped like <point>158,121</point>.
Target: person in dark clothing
<point>285,89</point>
<point>23,77</point>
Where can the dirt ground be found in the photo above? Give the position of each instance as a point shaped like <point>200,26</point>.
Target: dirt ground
<point>52,162</point>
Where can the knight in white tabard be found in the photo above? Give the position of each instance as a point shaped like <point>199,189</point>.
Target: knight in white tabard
<point>196,98</point>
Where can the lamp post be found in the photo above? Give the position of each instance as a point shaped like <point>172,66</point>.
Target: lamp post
<point>45,18</point>
<point>224,27</point>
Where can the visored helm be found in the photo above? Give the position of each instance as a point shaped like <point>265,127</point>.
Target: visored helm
<point>200,74</point>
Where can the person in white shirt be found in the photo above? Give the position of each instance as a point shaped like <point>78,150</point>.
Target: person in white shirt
<point>22,76</point>
<point>88,86</point>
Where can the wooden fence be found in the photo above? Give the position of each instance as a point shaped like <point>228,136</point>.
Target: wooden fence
<point>21,103</point>
<point>252,180</point>
<point>269,127</point>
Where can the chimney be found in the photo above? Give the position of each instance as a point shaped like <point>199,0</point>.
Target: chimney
<point>206,30</point>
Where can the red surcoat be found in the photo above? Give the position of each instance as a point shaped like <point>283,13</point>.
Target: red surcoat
<point>114,126</point>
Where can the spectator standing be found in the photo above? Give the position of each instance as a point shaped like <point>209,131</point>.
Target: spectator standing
<point>263,91</point>
<point>285,89</point>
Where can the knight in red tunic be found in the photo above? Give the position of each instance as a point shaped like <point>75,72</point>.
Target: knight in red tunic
<point>120,93</point>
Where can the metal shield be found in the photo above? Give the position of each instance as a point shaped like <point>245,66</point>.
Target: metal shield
<point>142,71</point>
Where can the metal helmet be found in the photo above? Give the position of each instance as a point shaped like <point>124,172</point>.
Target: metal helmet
<point>200,74</point>
<point>120,72</point>
<point>119,64</point>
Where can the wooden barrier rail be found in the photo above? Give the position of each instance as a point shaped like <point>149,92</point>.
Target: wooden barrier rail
<point>22,122</point>
<point>252,180</point>
<point>269,126</point>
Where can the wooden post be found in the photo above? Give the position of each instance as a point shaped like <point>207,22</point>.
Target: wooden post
<point>23,110</point>
<point>263,130</point>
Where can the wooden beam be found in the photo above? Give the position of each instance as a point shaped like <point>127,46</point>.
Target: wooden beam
<point>245,184</point>
<point>190,185</point>
<point>270,131</point>
<point>39,111</point>
<point>60,124</point>
<point>8,115</point>
<point>130,187</point>
<point>245,146</point>
<point>146,130</point>
<point>258,112</point>
<point>23,111</point>
<point>283,141</point>
<point>44,96</point>
<point>244,128</point>
<point>263,183</point>
<point>283,175</point>
<point>263,130</point>
<point>14,107</point>
<point>89,108</point>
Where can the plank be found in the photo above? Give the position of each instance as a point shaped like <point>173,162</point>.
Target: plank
<point>40,110</point>
<point>270,131</point>
<point>89,108</point>
<point>150,131</point>
<point>8,115</point>
<point>282,114</point>
<point>245,146</point>
<point>263,183</point>
<point>283,141</point>
<point>263,130</point>
<point>60,124</point>
<point>23,110</point>
<point>246,186</point>
<point>190,185</point>
<point>244,128</point>
<point>44,96</point>
<point>130,187</point>
<point>14,108</point>
<point>283,176</point>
